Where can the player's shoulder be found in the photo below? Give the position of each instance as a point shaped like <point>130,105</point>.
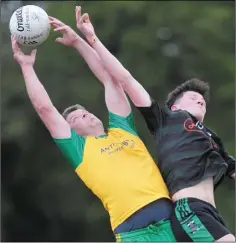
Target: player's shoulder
<point>158,106</point>
<point>122,123</point>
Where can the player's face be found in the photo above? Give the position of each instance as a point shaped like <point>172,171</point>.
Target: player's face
<point>83,122</point>
<point>194,103</point>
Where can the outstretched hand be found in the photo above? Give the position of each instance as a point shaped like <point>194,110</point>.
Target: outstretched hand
<point>19,56</point>
<point>69,36</point>
<point>84,24</point>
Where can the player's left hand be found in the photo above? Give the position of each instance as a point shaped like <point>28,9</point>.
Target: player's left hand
<point>69,36</point>
<point>233,176</point>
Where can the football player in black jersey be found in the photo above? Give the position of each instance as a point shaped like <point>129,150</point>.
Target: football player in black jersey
<point>191,157</point>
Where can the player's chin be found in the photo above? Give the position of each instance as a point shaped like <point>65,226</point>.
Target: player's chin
<point>96,123</point>
<point>195,112</point>
<point>199,115</point>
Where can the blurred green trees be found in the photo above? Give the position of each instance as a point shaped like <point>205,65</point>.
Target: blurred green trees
<point>162,44</point>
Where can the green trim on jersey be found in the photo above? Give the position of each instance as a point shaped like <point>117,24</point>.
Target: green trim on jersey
<point>102,136</point>
<point>126,123</point>
<point>72,148</point>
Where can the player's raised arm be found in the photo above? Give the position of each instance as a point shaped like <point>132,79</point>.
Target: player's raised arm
<point>132,87</point>
<point>52,119</point>
<point>115,97</point>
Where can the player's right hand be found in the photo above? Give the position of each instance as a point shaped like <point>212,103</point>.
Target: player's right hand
<point>19,56</point>
<point>84,24</point>
<point>69,36</point>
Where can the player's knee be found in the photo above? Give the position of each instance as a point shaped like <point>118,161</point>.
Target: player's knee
<point>228,237</point>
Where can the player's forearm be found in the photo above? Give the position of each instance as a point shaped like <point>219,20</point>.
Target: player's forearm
<point>134,89</point>
<point>91,58</point>
<point>112,65</point>
<point>37,93</point>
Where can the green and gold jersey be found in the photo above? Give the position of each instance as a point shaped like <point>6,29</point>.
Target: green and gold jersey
<point>117,168</point>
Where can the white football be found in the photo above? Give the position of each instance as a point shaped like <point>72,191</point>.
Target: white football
<point>30,25</point>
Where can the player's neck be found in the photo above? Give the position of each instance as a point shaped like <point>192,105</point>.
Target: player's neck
<point>98,132</point>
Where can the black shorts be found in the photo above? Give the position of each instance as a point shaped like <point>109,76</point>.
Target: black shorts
<point>194,220</point>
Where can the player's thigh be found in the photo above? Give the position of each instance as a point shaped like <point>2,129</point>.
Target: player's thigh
<point>228,238</point>
<point>215,226</point>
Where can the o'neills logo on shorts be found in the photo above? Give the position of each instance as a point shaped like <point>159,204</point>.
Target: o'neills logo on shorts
<point>19,19</point>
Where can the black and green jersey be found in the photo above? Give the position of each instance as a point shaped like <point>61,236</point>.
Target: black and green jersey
<point>187,151</point>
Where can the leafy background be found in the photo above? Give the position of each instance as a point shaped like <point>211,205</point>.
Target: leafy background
<point>162,44</point>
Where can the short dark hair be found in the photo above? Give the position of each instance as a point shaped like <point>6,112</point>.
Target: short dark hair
<point>193,84</point>
<point>68,110</point>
